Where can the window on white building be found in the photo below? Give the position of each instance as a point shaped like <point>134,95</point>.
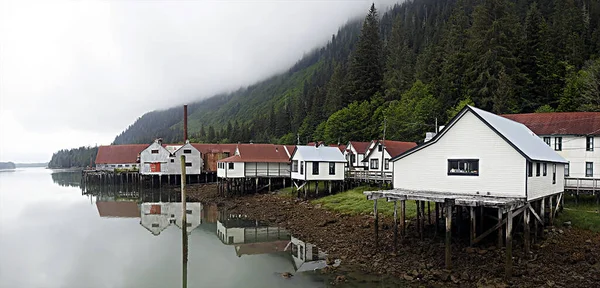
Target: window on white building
<point>589,169</point>
<point>529,169</point>
<point>231,166</point>
<point>553,173</point>
<point>463,167</point>
<point>172,160</point>
<point>567,170</point>
<point>187,151</point>
<point>188,164</point>
<point>374,164</point>
<point>589,143</point>
<point>537,169</point>
<point>154,151</point>
<point>315,168</point>
<point>558,143</point>
<point>301,167</point>
<point>387,164</point>
<point>331,168</point>
<point>545,169</point>
<point>295,166</point>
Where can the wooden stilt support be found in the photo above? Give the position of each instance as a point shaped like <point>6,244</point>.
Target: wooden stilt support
<point>422,224</point>
<point>329,187</point>
<point>376,223</point>
<point>527,235</point>
<point>551,216</point>
<point>418,218</point>
<point>437,216</point>
<point>403,218</point>
<point>395,226</point>
<point>429,213</point>
<point>508,262</point>
<point>542,215</point>
<point>448,255</point>
<point>472,232</point>
<point>500,241</point>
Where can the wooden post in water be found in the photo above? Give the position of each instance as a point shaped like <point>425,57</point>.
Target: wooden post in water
<point>473,227</point>
<point>527,235</point>
<point>184,236</point>
<point>376,223</point>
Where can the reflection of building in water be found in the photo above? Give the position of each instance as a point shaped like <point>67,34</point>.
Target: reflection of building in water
<point>156,217</point>
<point>237,229</point>
<point>120,209</point>
<point>306,256</point>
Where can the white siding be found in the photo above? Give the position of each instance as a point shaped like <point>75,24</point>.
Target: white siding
<point>574,150</point>
<point>539,186</point>
<point>224,233</point>
<point>262,169</point>
<point>112,167</point>
<point>146,158</point>
<point>377,155</point>
<point>236,172</point>
<point>194,157</point>
<point>501,167</point>
<point>297,175</point>
<point>324,171</point>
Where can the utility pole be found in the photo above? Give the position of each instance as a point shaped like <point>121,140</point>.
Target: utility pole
<point>383,152</point>
<point>298,138</point>
<point>436,126</point>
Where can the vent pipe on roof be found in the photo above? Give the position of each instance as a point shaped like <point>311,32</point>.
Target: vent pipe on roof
<point>185,135</point>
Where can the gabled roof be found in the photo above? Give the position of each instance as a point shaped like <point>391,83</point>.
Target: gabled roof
<point>361,147</point>
<point>321,153</point>
<point>560,123</point>
<point>516,134</point>
<point>261,153</point>
<point>121,209</point>
<point>394,148</point>
<point>119,154</point>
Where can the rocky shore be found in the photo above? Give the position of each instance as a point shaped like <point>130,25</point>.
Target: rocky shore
<point>567,257</point>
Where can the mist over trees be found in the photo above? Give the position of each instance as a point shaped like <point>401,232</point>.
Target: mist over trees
<point>76,157</point>
<point>419,61</point>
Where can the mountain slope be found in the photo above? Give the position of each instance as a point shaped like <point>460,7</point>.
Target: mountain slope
<point>501,55</point>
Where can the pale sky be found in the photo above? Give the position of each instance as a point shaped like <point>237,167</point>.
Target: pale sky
<point>77,73</point>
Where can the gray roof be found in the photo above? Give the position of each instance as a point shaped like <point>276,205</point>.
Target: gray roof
<point>520,137</point>
<point>321,154</point>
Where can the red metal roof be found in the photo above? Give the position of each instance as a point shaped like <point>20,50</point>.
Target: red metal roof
<point>214,148</point>
<point>123,209</point>
<point>259,153</point>
<point>361,147</point>
<point>560,123</point>
<point>119,154</point>
<point>395,148</point>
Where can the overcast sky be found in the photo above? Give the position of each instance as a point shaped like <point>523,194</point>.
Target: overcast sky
<point>75,73</point>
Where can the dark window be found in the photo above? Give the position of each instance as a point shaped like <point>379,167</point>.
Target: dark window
<point>154,224</point>
<point>188,164</point>
<point>545,169</point>
<point>154,151</point>
<point>230,239</point>
<point>301,252</point>
<point>226,154</point>
<point>187,151</point>
<point>352,159</point>
<point>589,143</point>
<point>188,224</point>
<point>172,160</point>
<point>537,169</point>
<point>231,166</point>
<point>187,211</point>
<point>295,166</point>
<point>379,147</point>
<point>374,163</point>
<point>547,140</point>
<point>119,165</point>
<point>126,165</point>
<point>331,168</point>
<point>589,169</point>
<point>301,167</point>
<point>529,169</point>
<point>315,166</point>
<point>463,167</point>
<point>387,164</point>
<point>567,170</point>
<point>558,143</point>
<point>553,173</point>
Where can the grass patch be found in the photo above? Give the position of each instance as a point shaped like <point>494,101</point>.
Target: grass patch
<point>583,215</point>
<point>355,202</point>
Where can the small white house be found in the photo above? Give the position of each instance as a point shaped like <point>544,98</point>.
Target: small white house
<point>480,153</point>
<point>355,154</point>
<point>383,152</point>
<point>156,160</point>
<point>256,160</point>
<point>318,163</point>
<point>573,135</point>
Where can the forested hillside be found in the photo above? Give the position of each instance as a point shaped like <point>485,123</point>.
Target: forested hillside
<point>420,61</point>
<point>76,157</point>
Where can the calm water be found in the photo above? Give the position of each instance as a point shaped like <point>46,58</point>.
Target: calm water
<point>54,235</point>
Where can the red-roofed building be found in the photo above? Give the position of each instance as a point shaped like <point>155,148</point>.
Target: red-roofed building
<point>355,153</point>
<point>211,153</point>
<point>113,157</point>
<point>387,151</point>
<point>573,135</point>
<point>119,209</point>
<point>256,160</point>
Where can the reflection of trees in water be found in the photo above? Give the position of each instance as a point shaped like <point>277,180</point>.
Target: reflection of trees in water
<point>130,191</point>
<point>67,178</point>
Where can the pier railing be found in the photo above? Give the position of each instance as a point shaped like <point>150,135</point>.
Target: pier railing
<point>369,175</point>
<point>582,185</point>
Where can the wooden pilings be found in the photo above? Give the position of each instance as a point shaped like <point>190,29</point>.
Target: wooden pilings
<point>508,261</point>
<point>448,256</point>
